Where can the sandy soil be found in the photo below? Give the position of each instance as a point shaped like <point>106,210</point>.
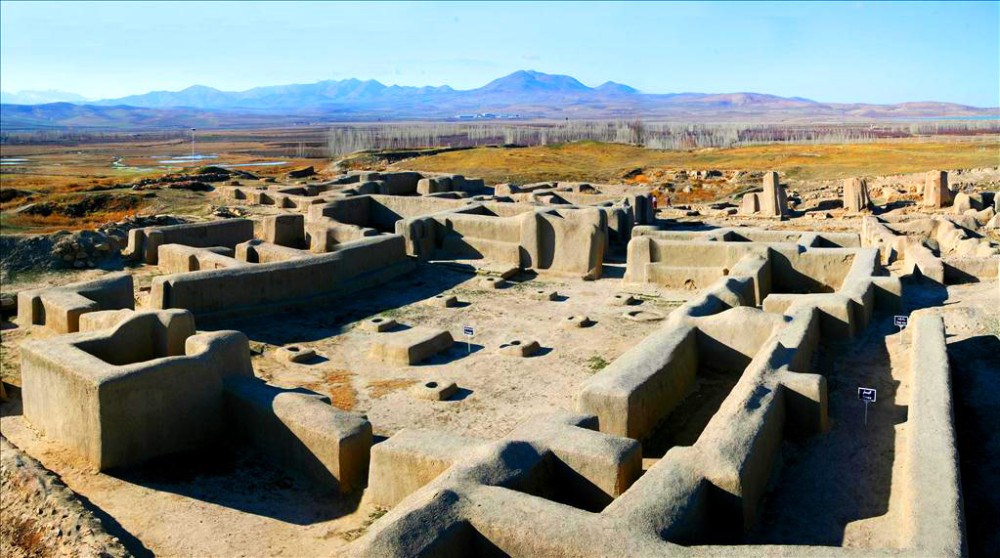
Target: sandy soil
<point>496,391</point>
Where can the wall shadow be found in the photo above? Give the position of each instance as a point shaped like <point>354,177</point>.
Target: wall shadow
<point>241,478</point>
<point>975,373</point>
<point>844,475</point>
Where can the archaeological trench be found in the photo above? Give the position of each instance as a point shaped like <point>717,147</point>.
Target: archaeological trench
<point>554,369</point>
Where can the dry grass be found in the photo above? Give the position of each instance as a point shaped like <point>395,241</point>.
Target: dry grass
<point>589,161</point>
<point>338,385</point>
<point>380,388</point>
<point>22,538</point>
<point>357,533</point>
<point>52,223</point>
<point>73,211</point>
<point>55,170</point>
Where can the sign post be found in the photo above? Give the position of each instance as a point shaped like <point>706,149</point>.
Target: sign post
<point>469,332</point>
<point>901,322</point>
<point>868,395</point>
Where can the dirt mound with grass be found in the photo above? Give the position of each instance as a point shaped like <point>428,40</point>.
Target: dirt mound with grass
<point>83,205</point>
<point>42,517</point>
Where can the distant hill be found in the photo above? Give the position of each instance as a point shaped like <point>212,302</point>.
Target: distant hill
<point>40,97</point>
<point>523,94</point>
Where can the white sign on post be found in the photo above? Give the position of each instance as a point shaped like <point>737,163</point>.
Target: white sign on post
<point>868,395</point>
<point>469,332</point>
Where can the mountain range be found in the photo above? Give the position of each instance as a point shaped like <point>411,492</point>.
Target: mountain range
<point>523,94</point>
<point>41,97</point>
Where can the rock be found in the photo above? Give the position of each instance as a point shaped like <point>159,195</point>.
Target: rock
<point>967,247</point>
<point>227,212</point>
<point>936,192</point>
<point>983,216</point>
<point>434,390</point>
<point>545,295</point>
<point>302,173</point>
<point>492,283</point>
<point>379,325</point>
<point>442,301</point>
<point>856,197</point>
<point>750,204</point>
<point>961,203</point>
<point>574,322</point>
<point>773,200</point>
<point>504,189</point>
<point>519,348</point>
<point>964,202</point>
<point>294,353</point>
<point>621,299</point>
<point>986,250</point>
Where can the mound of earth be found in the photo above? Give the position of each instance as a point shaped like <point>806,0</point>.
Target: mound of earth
<point>42,517</point>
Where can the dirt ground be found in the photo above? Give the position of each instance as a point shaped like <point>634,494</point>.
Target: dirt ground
<point>496,391</point>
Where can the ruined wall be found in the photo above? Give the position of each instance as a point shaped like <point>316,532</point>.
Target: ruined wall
<point>144,243</point>
<point>513,497</point>
<point>353,266</point>
<point>118,397</point>
<point>60,308</point>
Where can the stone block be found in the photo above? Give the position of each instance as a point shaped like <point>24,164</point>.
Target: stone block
<point>442,301</point>
<point>519,348</point>
<point>404,348</point>
<point>379,324</point>
<point>434,390</point>
<point>294,353</point>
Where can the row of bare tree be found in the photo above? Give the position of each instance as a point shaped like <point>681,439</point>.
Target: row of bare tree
<point>344,139</point>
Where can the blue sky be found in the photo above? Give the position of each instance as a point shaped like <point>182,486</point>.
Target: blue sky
<point>833,52</point>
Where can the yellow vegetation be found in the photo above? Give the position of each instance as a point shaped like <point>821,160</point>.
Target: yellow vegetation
<point>597,162</point>
<point>337,384</point>
<point>381,388</point>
